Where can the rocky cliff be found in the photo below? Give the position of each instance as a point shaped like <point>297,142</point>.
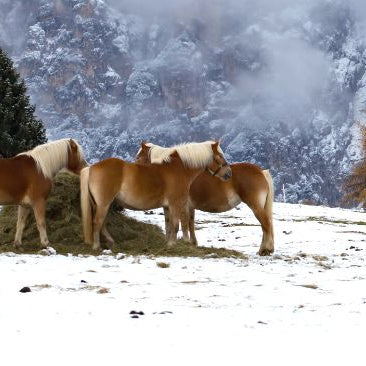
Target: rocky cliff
<point>281,84</point>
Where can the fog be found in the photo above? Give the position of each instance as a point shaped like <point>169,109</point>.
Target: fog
<point>290,68</point>
<point>293,66</point>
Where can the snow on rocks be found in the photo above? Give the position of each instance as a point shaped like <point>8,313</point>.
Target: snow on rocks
<point>48,251</point>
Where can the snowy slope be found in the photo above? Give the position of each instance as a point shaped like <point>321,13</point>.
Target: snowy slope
<point>305,304</point>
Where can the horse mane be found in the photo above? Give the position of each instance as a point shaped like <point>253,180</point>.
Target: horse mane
<point>51,157</point>
<point>193,155</point>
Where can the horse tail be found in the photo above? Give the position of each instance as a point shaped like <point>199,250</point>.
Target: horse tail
<point>268,206</point>
<point>86,207</point>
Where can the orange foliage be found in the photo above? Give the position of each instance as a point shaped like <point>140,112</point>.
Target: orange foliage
<point>355,184</point>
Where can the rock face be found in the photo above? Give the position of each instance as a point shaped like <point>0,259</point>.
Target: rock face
<point>281,84</point>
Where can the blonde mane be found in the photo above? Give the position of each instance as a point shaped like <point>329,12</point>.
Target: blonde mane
<point>52,156</point>
<point>193,155</point>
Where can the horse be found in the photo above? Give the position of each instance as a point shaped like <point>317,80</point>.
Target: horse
<point>164,183</point>
<point>249,184</point>
<point>26,180</point>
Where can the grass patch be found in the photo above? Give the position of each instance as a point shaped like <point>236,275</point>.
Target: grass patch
<point>312,286</point>
<point>182,249</point>
<point>65,232</point>
<point>320,257</point>
<point>163,264</point>
<point>321,219</point>
<point>238,224</point>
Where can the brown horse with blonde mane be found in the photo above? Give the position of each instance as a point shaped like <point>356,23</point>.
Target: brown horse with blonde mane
<point>163,183</point>
<point>26,180</point>
<point>249,184</point>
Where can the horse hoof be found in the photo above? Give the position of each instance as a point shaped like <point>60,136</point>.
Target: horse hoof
<point>265,252</point>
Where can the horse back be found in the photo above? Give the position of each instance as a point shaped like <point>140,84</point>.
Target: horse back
<point>111,173</point>
<point>248,177</point>
<point>132,184</point>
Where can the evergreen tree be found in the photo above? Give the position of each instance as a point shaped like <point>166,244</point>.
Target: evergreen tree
<point>355,184</point>
<point>20,130</point>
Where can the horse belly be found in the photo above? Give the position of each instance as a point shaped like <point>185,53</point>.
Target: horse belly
<point>133,197</point>
<point>220,202</point>
<point>7,198</point>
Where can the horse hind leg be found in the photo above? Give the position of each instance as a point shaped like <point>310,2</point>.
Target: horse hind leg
<point>98,222</point>
<point>107,235</point>
<point>23,212</point>
<point>267,245</point>
<point>39,209</point>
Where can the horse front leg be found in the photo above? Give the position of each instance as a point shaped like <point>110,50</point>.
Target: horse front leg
<point>39,209</point>
<point>192,232</point>
<point>185,220</point>
<point>174,218</point>
<point>178,212</point>
<point>167,222</point>
<point>23,212</point>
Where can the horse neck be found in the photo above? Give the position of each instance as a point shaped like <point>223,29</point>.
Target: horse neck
<point>50,164</point>
<point>189,173</point>
<point>195,155</point>
<point>193,173</point>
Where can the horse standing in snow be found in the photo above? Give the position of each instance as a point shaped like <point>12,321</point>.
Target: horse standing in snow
<point>26,180</point>
<point>249,184</point>
<point>164,183</point>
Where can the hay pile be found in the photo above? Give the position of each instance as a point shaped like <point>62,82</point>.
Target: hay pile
<point>65,232</point>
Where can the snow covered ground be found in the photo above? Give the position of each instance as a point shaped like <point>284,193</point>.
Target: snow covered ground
<point>304,305</point>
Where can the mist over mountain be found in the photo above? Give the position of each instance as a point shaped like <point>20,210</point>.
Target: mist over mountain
<point>281,83</point>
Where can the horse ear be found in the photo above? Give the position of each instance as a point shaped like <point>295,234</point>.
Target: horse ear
<point>73,145</point>
<point>215,145</point>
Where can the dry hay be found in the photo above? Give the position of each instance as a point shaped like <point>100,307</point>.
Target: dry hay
<point>65,232</point>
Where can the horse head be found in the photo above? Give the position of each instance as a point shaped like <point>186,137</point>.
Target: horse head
<point>143,156</point>
<point>76,160</point>
<point>219,166</point>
